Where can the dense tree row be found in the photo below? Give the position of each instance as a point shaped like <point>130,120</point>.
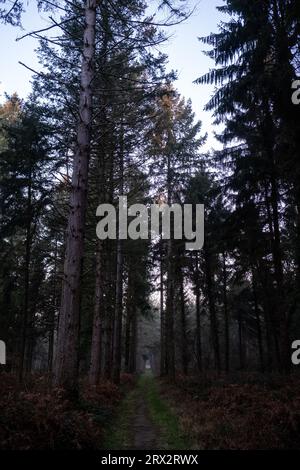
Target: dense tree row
<point>105,120</point>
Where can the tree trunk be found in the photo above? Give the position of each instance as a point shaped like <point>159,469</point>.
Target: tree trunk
<point>241,344</point>
<point>212,309</point>
<point>227,345</point>
<point>170,344</point>
<point>99,308</point>
<point>53,312</point>
<point>198,331</point>
<point>281,307</point>
<point>67,353</point>
<point>110,312</point>
<point>134,341</point>
<point>26,278</point>
<point>184,352</point>
<point>128,325</point>
<point>198,317</point>
<point>95,365</point>
<point>118,316</point>
<point>284,342</point>
<point>258,325</point>
<point>162,317</point>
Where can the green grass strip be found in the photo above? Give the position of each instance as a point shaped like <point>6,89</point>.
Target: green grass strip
<point>162,415</point>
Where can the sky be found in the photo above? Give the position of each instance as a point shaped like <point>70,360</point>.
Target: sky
<point>183,49</point>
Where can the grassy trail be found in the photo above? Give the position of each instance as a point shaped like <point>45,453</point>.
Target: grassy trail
<point>145,421</point>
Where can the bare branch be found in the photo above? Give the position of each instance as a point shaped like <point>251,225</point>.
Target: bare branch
<point>55,25</point>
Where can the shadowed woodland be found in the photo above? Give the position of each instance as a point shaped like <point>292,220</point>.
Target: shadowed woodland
<point>81,317</point>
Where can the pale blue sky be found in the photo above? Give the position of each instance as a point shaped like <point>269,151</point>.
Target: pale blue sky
<point>184,51</point>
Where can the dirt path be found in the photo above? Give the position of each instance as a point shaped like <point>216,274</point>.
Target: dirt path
<point>145,434</point>
<point>144,421</point>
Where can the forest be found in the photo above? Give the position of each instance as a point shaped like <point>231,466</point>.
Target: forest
<point>140,343</point>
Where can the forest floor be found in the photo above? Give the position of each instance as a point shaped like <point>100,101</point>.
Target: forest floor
<point>35,416</point>
<point>208,411</point>
<point>213,412</point>
<point>145,421</point>
<point>237,412</point>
